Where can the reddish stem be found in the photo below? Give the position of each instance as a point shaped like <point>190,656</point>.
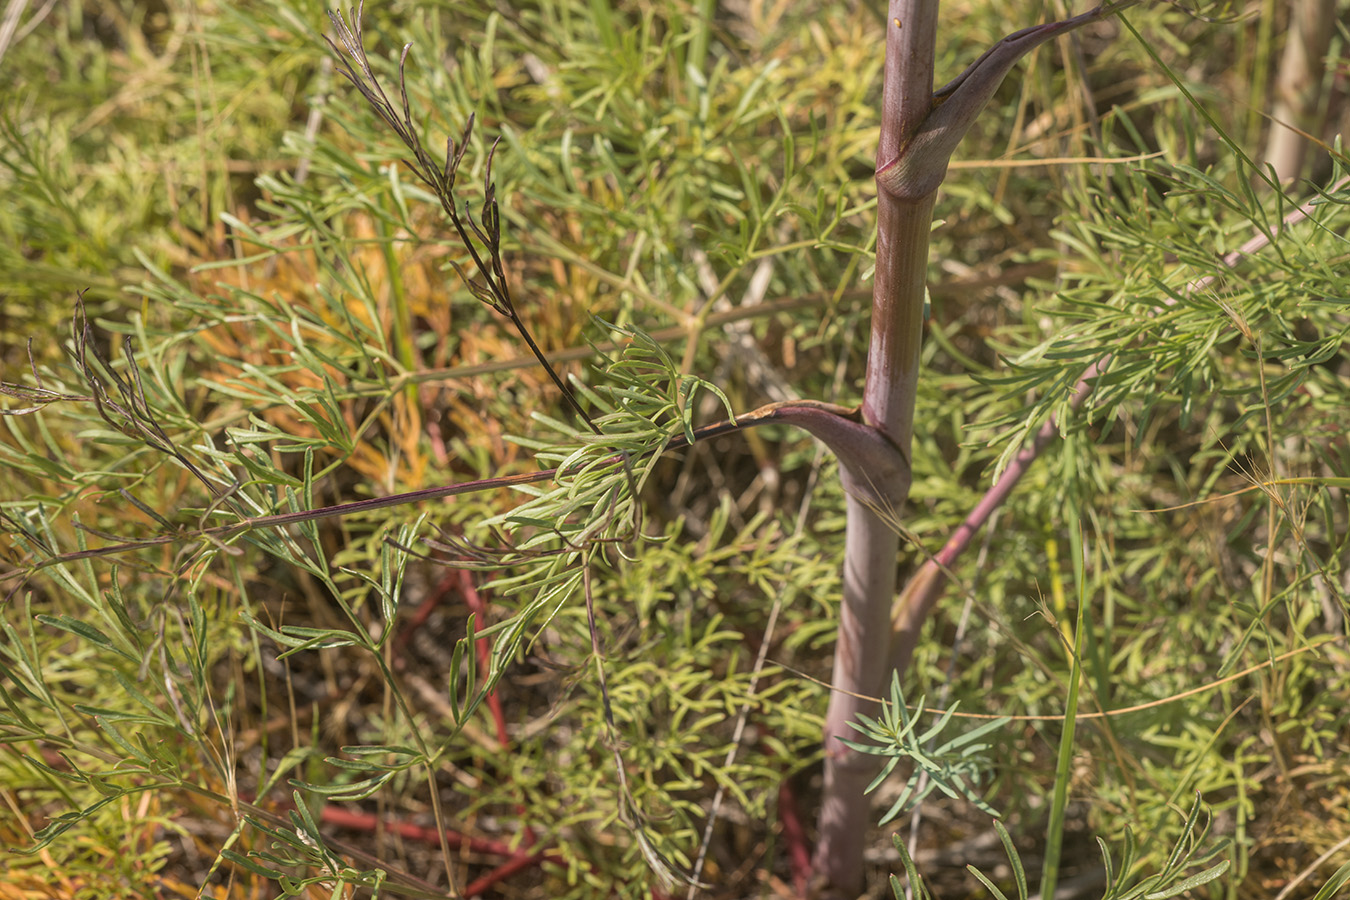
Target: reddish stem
<point>507,869</point>
<point>794,835</point>
<point>870,542</point>
<point>483,646</point>
<point>360,821</point>
<point>925,586</point>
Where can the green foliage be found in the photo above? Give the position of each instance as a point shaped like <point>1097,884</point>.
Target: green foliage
<point>1123,883</point>
<point>276,323</point>
<point>953,767</point>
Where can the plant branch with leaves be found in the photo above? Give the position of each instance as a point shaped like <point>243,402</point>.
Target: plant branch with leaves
<point>1152,301</point>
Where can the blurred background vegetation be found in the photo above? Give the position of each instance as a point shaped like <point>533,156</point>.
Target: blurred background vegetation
<point>700,171</point>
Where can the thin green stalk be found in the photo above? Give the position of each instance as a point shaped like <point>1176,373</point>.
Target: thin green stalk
<point>1054,838</point>
<point>698,44</point>
<point>402,336</point>
<point>1259,67</point>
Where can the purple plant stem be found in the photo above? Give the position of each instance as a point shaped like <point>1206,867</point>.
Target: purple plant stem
<point>858,447</point>
<point>919,131</point>
<point>870,544</point>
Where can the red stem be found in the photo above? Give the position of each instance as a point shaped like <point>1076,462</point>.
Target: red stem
<point>360,821</point>
<point>794,835</point>
<point>507,869</point>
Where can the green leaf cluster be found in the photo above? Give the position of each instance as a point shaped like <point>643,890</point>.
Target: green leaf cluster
<point>684,201</point>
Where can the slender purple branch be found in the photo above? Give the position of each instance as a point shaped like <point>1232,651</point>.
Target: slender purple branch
<point>925,586</point>
<point>839,427</point>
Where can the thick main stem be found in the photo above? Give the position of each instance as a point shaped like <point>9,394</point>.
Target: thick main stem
<point>897,317</point>
<point>872,541</point>
<point>919,131</point>
<point>860,657</point>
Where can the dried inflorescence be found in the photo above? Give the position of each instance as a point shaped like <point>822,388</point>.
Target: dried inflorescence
<point>485,243</point>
